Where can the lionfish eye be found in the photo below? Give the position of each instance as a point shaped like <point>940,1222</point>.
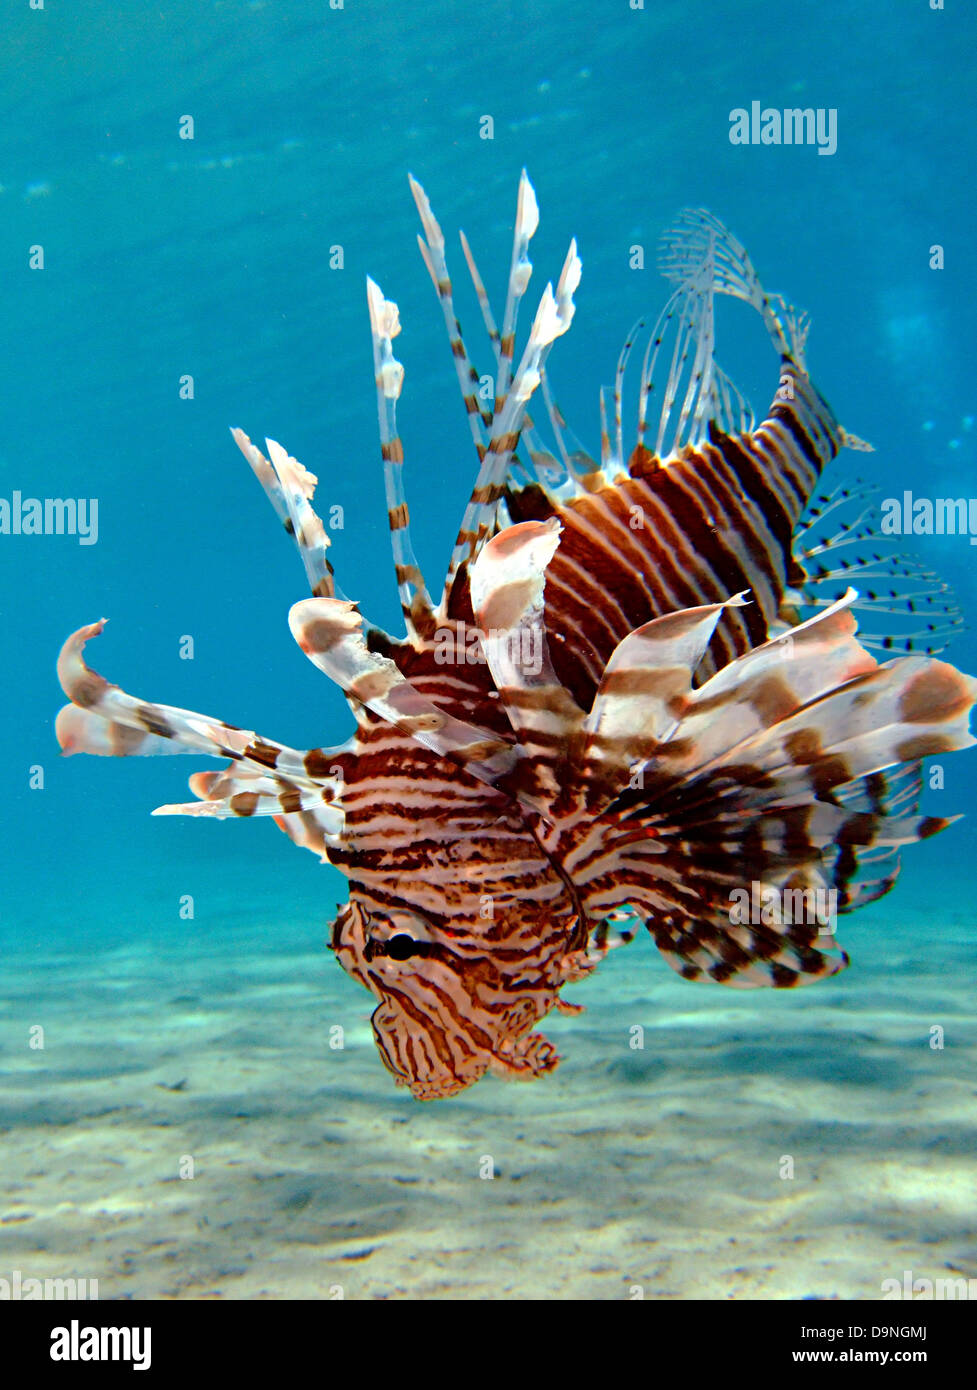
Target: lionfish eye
<point>402,947</point>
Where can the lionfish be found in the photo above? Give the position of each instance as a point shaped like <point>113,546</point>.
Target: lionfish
<point>651,721</point>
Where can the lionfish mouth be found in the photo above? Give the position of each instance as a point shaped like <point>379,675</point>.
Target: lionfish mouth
<point>642,696</point>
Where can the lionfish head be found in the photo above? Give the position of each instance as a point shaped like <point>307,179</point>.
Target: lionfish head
<point>447,1014</point>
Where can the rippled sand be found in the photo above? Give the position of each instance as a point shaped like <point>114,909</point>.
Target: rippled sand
<point>657,1167</point>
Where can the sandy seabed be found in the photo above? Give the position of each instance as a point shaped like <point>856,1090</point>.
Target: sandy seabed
<point>657,1167</point>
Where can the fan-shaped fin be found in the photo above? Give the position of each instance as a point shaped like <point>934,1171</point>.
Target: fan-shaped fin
<point>330,632</point>
<point>507,588</point>
<point>905,607</point>
<point>643,694</point>
<point>264,778</point>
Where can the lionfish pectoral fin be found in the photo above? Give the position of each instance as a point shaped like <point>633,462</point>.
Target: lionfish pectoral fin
<point>750,791</point>
<point>759,690</point>
<point>860,875</point>
<point>507,589</point>
<point>616,928</point>
<point>767,917</point>
<point>330,632</point>
<point>243,790</point>
<point>83,731</point>
<point>807,715</point>
<point>754,956</point>
<point>264,777</point>
<point>642,696</point>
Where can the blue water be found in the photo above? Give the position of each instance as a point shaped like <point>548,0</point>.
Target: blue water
<point>210,256</point>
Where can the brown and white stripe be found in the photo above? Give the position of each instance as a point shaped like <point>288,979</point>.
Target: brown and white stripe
<point>678,735</point>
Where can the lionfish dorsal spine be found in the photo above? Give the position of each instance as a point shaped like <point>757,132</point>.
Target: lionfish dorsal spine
<point>513,387</point>
<point>548,468</point>
<point>389,377</point>
<point>431,247</point>
<point>290,488</point>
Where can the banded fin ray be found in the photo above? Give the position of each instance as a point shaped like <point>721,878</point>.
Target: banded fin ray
<point>507,586</point>
<point>330,632</point>
<point>244,791</point>
<point>919,611</point>
<point>415,602</point>
<point>715,515</point>
<point>863,876</point>
<point>513,389</point>
<point>697,936</point>
<point>432,253</point>
<point>895,713</point>
<point>104,720</point>
<point>643,692</point>
<point>761,781</point>
<point>290,489</point>
<point>574,462</point>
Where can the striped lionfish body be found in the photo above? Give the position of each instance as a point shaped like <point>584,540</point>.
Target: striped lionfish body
<point>616,711</point>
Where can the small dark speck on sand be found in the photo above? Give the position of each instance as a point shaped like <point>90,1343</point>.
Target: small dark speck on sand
<point>363,1254</point>
<point>172,1085</point>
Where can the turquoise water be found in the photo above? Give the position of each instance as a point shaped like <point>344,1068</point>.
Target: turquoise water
<point>211,257</point>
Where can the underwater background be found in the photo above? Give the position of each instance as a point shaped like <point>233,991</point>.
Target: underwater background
<point>169,1036</point>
